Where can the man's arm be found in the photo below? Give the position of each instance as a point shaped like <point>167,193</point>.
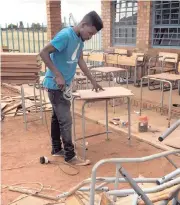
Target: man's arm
<point>86,71</point>
<point>45,55</point>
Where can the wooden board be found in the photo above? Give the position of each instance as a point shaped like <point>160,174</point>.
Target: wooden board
<point>19,81</point>
<point>105,200</point>
<point>29,200</point>
<point>19,70</point>
<point>3,105</point>
<point>19,57</point>
<point>96,57</point>
<point>15,74</point>
<point>166,76</point>
<point>128,61</point>
<point>74,200</point>
<point>107,69</point>
<point>11,107</point>
<point>108,93</point>
<point>21,64</point>
<point>171,55</point>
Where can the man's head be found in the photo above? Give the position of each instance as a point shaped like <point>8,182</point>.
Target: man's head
<point>90,25</point>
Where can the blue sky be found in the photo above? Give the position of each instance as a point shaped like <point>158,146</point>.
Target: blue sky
<point>29,11</point>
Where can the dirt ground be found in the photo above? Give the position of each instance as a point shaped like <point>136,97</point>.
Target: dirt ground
<point>20,147</point>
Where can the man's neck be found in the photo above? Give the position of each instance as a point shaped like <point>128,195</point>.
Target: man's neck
<point>76,30</point>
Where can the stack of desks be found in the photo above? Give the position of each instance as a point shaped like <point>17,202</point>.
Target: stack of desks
<point>20,68</point>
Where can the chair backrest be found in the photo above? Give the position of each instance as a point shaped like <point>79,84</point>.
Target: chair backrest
<point>111,59</point>
<point>127,61</point>
<point>96,57</point>
<point>166,55</point>
<point>121,51</point>
<point>139,56</point>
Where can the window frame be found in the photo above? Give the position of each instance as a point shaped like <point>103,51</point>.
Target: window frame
<point>115,44</point>
<point>165,26</point>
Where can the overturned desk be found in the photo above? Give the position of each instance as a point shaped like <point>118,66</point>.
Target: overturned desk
<point>91,96</point>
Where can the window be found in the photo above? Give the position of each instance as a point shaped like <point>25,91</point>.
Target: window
<point>124,22</point>
<point>166,23</point>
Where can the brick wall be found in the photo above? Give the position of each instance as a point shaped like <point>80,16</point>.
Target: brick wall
<point>144,29</point>
<point>106,14</point>
<point>53,9</point>
<point>143,38</point>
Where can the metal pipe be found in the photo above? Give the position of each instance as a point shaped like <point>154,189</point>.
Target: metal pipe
<point>129,121</point>
<point>168,176</point>
<point>83,129</point>
<point>116,180</point>
<point>169,130</point>
<point>122,160</point>
<point>107,127</point>
<point>155,189</point>
<point>134,185</point>
<point>24,107</point>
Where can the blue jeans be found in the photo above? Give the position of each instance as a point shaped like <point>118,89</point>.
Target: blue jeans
<point>61,124</point>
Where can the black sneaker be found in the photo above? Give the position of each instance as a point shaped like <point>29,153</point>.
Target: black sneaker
<point>59,154</point>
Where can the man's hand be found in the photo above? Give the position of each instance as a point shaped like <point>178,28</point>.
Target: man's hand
<point>60,82</point>
<point>96,86</point>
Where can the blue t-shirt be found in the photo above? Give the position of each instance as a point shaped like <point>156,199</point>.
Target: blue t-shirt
<point>68,50</point>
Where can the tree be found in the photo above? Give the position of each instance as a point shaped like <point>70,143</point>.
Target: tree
<point>36,26</point>
<point>12,26</point>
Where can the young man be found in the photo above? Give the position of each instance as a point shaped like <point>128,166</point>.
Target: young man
<point>61,56</point>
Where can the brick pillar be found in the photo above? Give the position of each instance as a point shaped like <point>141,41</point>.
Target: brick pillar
<point>106,15</point>
<point>53,8</point>
<point>143,41</point>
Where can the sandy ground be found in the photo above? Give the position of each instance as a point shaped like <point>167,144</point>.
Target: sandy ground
<point>20,147</point>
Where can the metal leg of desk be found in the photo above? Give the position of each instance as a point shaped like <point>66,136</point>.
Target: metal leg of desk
<point>170,104</point>
<point>73,119</point>
<point>140,109</point>
<point>41,108</point>
<point>34,90</point>
<point>113,99</point>
<point>83,129</point>
<point>129,120</point>
<point>23,107</point>
<point>162,95</point>
<point>107,127</point>
<point>127,78</point>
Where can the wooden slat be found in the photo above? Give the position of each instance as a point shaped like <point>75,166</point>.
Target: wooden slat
<point>15,57</point>
<point>111,59</point>
<point>20,70</point>
<point>19,81</point>
<point>96,57</point>
<point>11,74</point>
<point>74,200</point>
<point>120,51</point>
<point>128,61</point>
<point>171,55</point>
<point>26,64</point>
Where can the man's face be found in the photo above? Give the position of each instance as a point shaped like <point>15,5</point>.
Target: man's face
<point>87,31</point>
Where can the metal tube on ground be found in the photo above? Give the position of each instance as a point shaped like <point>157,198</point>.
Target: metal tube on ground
<point>134,185</point>
<point>168,177</point>
<point>169,130</point>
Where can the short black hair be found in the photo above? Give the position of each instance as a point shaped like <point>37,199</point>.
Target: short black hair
<point>93,19</point>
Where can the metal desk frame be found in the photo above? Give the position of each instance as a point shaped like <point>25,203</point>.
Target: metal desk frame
<point>107,127</point>
<point>162,94</point>
<point>112,73</point>
<point>24,105</point>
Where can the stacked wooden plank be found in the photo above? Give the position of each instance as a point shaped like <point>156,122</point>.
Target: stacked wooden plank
<point>20,68</point>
